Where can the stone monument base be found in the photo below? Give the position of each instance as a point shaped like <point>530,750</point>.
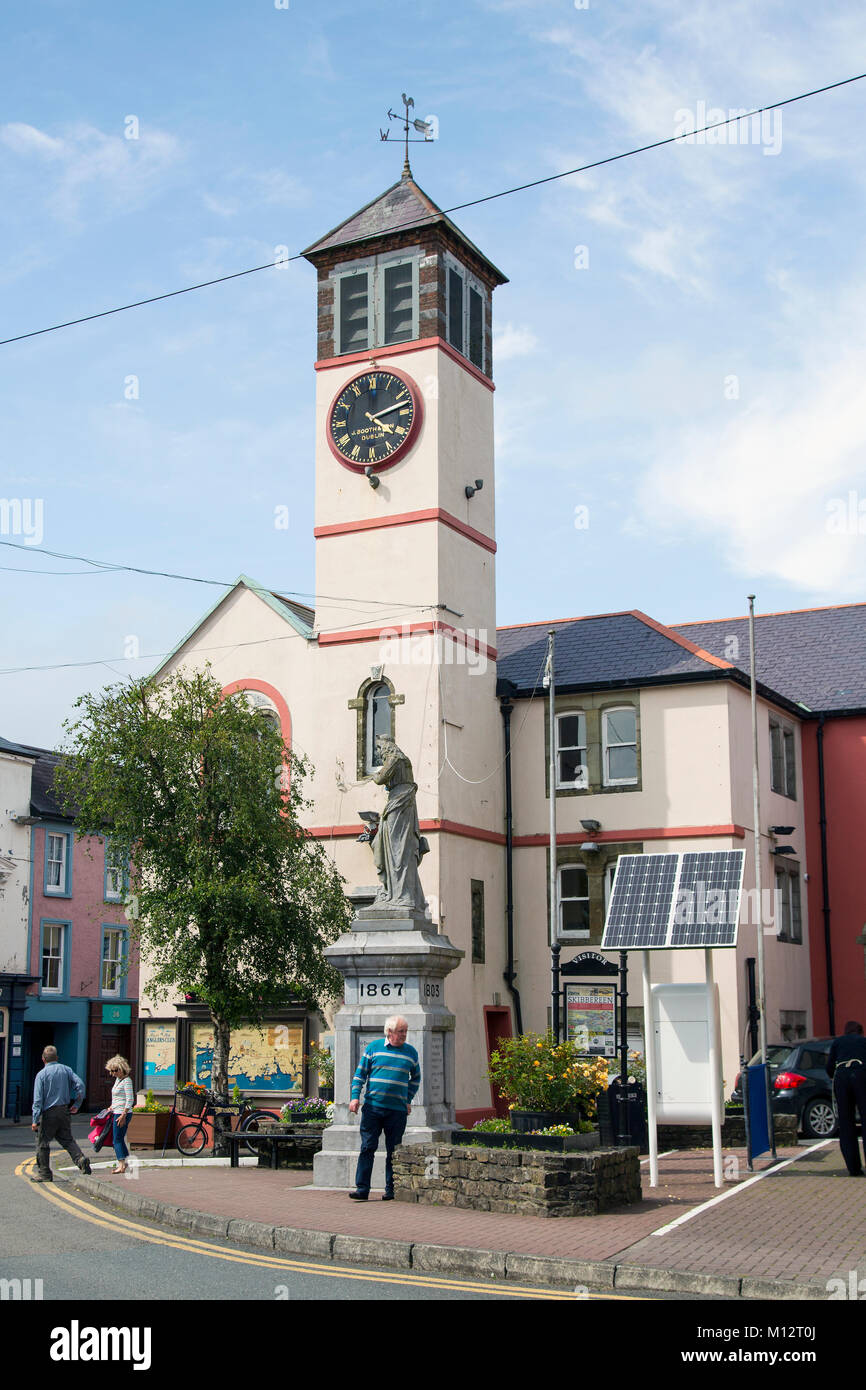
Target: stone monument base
<point>334,1165</point>
<point>394,962</point>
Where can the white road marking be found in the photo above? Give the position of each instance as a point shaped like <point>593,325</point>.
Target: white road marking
<point>740,1187</point>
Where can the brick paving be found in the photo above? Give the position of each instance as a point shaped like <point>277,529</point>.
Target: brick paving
<point>807,1221</point>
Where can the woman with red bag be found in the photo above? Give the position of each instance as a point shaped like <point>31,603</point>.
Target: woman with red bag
<point>122,1101</point>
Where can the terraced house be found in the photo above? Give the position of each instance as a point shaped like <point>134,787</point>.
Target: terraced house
<point>68,978</point>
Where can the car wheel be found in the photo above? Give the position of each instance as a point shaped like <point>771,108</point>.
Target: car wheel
<point>819,1118</point>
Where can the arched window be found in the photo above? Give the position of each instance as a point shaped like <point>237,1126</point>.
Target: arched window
<point>378,721</point>
<point>263,705</point>
<point>375,704</point>
<point>270,704</point>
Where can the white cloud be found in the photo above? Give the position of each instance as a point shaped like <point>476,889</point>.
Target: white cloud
<point>513,341</point>
<point>276,186</point>
<point>672,209</point>
<point>767,488</point>
<point>120,173</point>
<point>243,187</point>
<point>26,139</point>
<point>223,207</point>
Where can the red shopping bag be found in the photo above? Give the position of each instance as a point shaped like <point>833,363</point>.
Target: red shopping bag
<point>100,1128</point>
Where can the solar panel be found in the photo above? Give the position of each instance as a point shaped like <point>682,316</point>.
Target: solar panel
<point>666,901</point>
<point>707,905</point>
<point>640,902</point>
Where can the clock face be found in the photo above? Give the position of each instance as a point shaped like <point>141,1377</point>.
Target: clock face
<point>374,419</point>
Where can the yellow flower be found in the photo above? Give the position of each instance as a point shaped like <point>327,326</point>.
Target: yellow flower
<point>536,1064</point>
<point>538,1044</point>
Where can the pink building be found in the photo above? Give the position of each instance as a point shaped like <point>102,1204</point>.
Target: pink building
<point>85,1001</point>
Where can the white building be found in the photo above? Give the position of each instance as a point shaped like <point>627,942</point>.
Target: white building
<point>16,768</point>
<point>403,640</point>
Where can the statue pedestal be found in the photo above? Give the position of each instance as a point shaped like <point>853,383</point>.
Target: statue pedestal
<point>393,962</point>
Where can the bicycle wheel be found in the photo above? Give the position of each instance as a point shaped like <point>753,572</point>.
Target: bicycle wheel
<point>191,1139</point>
<point>250,1126</point>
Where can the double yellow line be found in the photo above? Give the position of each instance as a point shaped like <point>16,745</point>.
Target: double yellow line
<point>74,1206</point>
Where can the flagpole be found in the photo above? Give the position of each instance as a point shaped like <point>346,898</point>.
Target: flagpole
<point>756,812</point>
<point>552,891</point>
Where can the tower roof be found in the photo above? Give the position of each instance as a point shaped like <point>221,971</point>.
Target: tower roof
<point>402,207</point>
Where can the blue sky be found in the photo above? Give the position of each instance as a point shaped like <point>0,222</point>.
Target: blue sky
<point>692,376</point>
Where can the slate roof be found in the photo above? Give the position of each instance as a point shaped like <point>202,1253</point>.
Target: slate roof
<point>43,801</point>
<point>814,656</point>
<point>300,610</point>
<point>18,749</point>
<point>810,660</point>
<point>402,206</point>
<point>611,649</point>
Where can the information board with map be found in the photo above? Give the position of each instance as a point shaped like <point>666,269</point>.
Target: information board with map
<point>160,1048</point>
<point>270,1058</point>
<point>590,1018</point>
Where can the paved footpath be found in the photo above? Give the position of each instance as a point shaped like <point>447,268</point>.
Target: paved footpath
<point>783,1236</point>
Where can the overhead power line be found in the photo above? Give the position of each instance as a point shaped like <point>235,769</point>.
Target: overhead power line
<point>108,567</point>
<point>456,207</point>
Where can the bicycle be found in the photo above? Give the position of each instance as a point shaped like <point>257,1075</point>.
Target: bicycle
<point>191,1138</point>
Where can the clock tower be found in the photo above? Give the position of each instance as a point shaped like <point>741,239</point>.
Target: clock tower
<point>404,417</point>
<point>405,580</point>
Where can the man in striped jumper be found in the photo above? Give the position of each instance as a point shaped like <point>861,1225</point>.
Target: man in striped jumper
<point>389,1069</point>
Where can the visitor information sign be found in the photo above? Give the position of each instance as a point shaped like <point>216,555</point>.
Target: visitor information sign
<point>590,1018</point>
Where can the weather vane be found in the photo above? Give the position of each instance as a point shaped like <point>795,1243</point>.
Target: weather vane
<point>425,129</point>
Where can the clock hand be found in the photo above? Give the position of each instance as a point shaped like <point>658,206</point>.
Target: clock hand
<point>395,406</point>
<point>380,423</point>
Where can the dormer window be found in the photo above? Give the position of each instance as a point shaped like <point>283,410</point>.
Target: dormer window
<point>377,303</point>
<point>466,298</point>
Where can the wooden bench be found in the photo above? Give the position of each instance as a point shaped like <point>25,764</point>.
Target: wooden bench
<point>239,1137</point>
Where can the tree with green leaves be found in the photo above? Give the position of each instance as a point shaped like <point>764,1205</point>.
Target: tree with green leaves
<point>235,902</point>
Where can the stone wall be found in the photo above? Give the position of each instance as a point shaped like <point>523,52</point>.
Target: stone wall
<point>526,1182</point>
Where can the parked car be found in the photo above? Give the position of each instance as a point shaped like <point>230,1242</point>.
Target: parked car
<point>801,1086</point>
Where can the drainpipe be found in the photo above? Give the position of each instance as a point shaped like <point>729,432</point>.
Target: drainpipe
<point>505,689</point>
<point>825,879</point>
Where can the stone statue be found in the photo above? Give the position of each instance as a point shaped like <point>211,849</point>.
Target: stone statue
<point>397,842</point>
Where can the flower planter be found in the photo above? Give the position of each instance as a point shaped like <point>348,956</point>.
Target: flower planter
<point>549,1143</point>
<point>525,1120</point>
<point>527,1184</point>
<point>146,1130</point>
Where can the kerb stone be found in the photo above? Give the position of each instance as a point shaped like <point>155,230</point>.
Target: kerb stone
<point>367,1250</point>
<point>443,1259</point>
<point>251,1233</point>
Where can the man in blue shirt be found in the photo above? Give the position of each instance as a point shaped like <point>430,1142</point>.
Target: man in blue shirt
<point>389,1069</point>
<point>53,1093</point>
